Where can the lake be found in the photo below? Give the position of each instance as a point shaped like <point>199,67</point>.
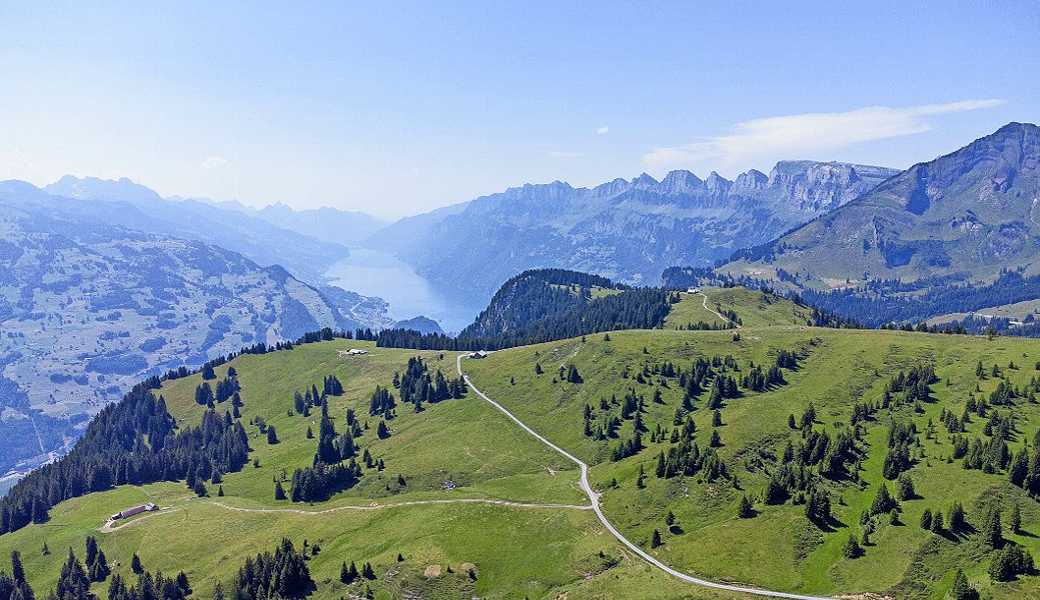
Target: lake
<point>376,273</point>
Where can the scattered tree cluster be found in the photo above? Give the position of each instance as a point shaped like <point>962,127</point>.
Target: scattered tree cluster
<point>283,574</point>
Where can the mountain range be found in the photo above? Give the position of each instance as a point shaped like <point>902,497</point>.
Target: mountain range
<point>93,297</point>
<point>628,230</point>
<point>130,204</point>
<point>965,216</point>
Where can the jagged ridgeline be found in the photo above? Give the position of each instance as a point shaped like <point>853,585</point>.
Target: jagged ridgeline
<point>939,241</point>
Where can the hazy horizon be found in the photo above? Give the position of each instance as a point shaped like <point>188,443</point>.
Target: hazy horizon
<point>405,108</point>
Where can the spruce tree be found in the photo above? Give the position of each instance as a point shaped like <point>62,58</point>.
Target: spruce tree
<point>992,531</point>
<point>926,519</point>
<point>745,510</point>
<point>937,522</point>
<point>961,589</point>
<point>852,548</point>
<point>655,539</point>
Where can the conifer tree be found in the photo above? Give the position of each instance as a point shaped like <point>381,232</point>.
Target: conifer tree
<point>961,589</point>
<point>937,522</point>
<point>926,519</point>
<point>852,548</point>
<point>745,510</point>
<point>992,531</point>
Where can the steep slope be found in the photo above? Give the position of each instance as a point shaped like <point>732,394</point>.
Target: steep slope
<point>135,206</point>
<point>626,230</point>
<point>968,214</point>
<point>88,308</point>
<point>405,233</point>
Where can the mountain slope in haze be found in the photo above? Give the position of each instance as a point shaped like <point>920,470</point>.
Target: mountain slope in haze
<point>326,224</point>
<point>136,206</point>
<point>405,233</point>
<point>421,324</point>
<point>88,308</point>
<point>626,230</point>
<point>968,214</point>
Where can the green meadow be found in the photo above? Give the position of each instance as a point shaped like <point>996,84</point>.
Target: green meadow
<point>466,449</point>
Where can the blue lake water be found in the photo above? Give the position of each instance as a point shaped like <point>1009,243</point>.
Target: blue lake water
<point>376,273</point>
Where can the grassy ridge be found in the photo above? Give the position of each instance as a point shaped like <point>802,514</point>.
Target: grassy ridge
<point>844,367</point>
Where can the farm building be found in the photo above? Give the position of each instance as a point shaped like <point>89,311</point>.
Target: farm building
<point>123,514</point>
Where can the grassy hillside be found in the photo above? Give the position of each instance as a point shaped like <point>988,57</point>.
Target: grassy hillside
<point>455,449</point>
<point>840,368</point>
<point>547,544</point>
<point>753,308</point>
<point>456,443</point>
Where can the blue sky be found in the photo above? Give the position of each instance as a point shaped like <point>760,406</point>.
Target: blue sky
<point>397,108</point>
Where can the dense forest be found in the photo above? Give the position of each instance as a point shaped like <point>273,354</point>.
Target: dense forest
<point>630,309</point>
<point>534,295</point>
<point>892,301</point>
<point>134,441</point>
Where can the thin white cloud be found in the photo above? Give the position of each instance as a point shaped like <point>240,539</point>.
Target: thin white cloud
<point>213,162</point>
<point>602,130</point>
<point>564,154</point>
<point>797,135</point>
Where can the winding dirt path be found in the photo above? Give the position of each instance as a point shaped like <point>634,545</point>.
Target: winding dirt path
<point>111,526</point>
<point>594,499</point>
<point>718,314</point>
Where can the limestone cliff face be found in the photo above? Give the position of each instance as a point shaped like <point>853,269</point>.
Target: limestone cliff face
<point>971,213</point>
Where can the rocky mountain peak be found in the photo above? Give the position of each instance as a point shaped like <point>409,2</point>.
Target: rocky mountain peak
<point>644,181</point>
<point>681,181</point>
<point>717,184</point>
<point>750,181</point>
